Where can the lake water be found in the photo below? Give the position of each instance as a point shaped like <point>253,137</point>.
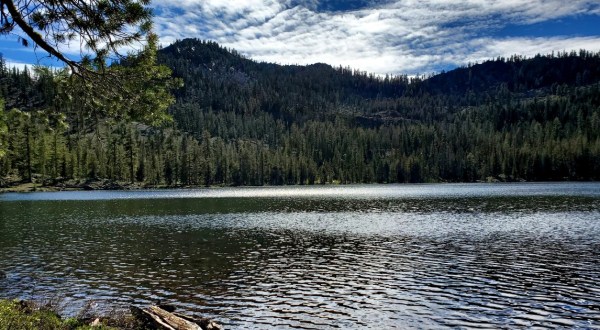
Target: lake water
<point>378,256</point>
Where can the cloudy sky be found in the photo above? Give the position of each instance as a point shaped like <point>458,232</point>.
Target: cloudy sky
<point>379,36</point>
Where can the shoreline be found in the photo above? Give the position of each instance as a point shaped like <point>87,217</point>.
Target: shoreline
<point>109,185</point>
<point>88,185</point>
<point>28,314</point>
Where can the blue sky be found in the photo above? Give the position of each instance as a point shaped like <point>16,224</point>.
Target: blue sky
<point>379,36</point>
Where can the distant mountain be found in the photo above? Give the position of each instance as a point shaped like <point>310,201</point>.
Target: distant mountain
<point>206,66</point>
<point>505,118</point>
<point>520,74</point>
<point>243,122</point>
<point>213,73</point>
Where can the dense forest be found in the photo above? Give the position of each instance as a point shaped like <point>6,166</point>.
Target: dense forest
<point>241,122</point>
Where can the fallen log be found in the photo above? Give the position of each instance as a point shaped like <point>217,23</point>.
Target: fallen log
<point>204,322</point>
<point>156,317</point>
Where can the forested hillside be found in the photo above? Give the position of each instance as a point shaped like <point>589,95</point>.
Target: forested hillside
<point>240,122</point>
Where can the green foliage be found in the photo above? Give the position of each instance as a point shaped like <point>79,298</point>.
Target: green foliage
<point>102,27</point>
<point>16,315</point>
<point>137,89</point>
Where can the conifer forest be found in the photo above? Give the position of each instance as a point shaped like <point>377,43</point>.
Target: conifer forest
<point>239,122</point>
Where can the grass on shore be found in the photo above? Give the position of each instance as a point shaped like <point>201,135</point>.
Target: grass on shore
<point>19,315</point>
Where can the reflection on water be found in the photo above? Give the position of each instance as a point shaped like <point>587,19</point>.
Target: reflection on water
<point>368,256</point>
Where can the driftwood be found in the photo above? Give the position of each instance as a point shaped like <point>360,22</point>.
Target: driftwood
<point>164,318</point>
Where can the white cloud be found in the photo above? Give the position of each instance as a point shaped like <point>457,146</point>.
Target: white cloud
<point>390,36</point>
<point>532,46</point>
<point>395,36</point>
<point>16,64</point>
<point>11,63</point>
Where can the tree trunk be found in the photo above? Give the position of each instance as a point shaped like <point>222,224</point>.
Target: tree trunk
<point>28,147</point>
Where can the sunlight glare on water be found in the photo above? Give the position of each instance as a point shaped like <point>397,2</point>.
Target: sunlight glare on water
<point>328,191</point>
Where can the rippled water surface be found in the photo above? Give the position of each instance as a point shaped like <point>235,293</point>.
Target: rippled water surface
<point>394,256</point>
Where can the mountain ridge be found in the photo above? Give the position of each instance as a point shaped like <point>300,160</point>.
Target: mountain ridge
<point>580,68</point>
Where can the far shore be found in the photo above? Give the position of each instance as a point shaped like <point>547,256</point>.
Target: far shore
<point>90,185</point>
<point>105,184</point>
<point>85,185</point>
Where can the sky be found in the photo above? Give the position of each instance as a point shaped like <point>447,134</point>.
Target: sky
<point>378,36</point>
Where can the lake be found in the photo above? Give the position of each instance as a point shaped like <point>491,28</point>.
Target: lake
<point>374,256</point>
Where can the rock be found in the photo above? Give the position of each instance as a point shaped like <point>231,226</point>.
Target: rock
<point>211,325</point>
<point>96,323</point>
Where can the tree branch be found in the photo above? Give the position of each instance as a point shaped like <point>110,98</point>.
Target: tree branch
<point>37,38</point>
